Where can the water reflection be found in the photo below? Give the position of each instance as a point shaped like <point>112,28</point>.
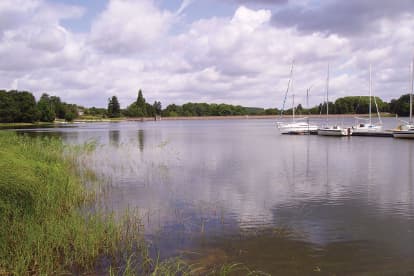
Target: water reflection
<point>114,137</point>
<point>278,252</point>
<point>141,140</point>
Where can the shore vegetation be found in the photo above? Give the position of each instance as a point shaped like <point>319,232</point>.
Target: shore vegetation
<point>49,223</point>
<point>21,107</point>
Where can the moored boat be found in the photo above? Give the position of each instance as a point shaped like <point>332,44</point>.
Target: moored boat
<point>294,127</point>
<point>331,130</point>
<point>407,130</point>
<point>335,131</point>
<point>404,131</point>
<point>297,128</point>
<point>370,129</point>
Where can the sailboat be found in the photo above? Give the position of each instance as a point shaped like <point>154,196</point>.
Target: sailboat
<point>407,130</point>
<point>368,129</point>
<point>294,127</point>
<point>334,130</point>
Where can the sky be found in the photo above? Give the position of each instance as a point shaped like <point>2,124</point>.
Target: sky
<point>217,51</point>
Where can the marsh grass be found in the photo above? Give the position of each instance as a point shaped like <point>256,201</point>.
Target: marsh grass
<point>44,228</point>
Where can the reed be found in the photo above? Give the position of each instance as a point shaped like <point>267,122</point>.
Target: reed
<point>44,225</point>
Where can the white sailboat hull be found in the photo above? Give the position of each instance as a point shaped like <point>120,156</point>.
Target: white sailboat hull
<point>366,129</point>
<point>332,131</point>
<point>297,128</point>
<point>404,131</point>
<point>404,134</point>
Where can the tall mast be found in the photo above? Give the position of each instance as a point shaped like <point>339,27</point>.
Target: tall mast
<point>370,95</point>
<point>293,107</point>
<point>327,95</point>
<point>288,87</point>
<point>307,98</point>
<point>307,106</point>
<point>411,91</point>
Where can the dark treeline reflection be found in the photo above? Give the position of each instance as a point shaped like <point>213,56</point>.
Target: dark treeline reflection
<point>114,137</point>
<point>141,140</point>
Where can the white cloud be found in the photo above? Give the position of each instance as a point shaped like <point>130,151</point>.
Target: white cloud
<point>240,59</point>
<point>128,26</point>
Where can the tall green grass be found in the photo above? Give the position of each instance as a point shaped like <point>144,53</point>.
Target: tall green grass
<point>44,225</point>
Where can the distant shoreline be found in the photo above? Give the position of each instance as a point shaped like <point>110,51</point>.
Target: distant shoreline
<point>246,117</point>
<point>189,118</point>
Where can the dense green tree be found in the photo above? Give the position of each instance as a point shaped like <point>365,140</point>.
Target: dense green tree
<point>172,110</point>
<point>46,109</point>
<point>401,106</point>
<point>58,107</point>
<point>149,109</point>
<point>141,104</point>
<point>204,109</point>
<point>26,103</point>
<point>9,110</point>
<point>139,108</point>
<point>133,111</point>
<point>157,107</point>
<point>94,111</point>
<point>359,105</point>
<point>20,106</point>
<point>114,108</point>
<point>272,111</point>
<point>71,112</point>
<point>140,99</point>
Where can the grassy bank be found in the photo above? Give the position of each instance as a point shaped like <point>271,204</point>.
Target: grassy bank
<point>44,228</point>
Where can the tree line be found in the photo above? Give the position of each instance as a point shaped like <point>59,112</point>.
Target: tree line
<point>359,105</point>
<point>21,106</point>
<point>351,105</point>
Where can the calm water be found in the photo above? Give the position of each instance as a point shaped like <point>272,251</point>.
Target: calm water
<point>237,191</point>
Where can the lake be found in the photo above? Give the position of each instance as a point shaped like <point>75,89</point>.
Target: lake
<point>238,191</point>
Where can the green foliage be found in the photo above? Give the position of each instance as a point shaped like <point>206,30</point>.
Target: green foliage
<point>359,105</point>
<point>204,109</point>
<point>346,105</point>
<point>140,108</point>
<point>134,111</point>
<point>17,106</point>
<point>114,108</point>
<point>172,110</point>
<point>94,111</point>
<point>401,106</point>
<point>140,100</point>
<point>8,107</point>
<point>21,107</point>
<point>150,111</point>
<point>157,107</point>
<point>70,112</point>
<point>272,111</point>
<point>46,109</point>
<point>58,106</point>
<point>43,229</point>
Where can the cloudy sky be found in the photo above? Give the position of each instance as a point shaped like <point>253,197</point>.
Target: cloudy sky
<point>232,51</point>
